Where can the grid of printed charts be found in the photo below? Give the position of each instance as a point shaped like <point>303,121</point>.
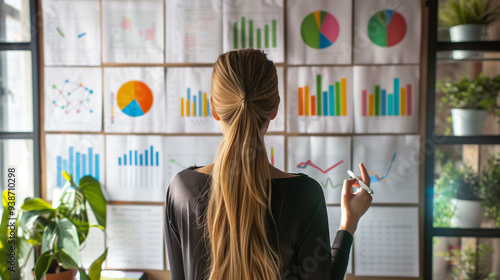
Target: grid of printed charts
<point>126,100</point>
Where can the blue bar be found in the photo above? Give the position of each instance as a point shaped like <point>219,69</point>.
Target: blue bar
<point>146,157</point>
<point>77,163</point>
<point>200,107</point>
<point>140,160</point>
<point>59,170</point>
<point>130,161</point>
<point>156,158</point>
<point>194,101</point>
<point>189,96</point>
<point>96,173</point>
<point>135,157</point>
<point>119,161</point>
<point>325,103</point>
<point>84,165</point>
<point>383,102</point>
<point>125,159</point>
<point>71,161</point>
<point>151,155</point>
<point>390,102</point>
<point>396,97</point>
<point>332,100</point>
<point>208,108</point>
<point>90,162</point>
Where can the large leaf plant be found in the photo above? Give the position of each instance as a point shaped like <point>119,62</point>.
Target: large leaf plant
<point>59,229</point>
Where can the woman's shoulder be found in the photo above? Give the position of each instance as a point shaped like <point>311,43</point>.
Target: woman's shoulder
<point>300,187</point>
<point>186,184</point>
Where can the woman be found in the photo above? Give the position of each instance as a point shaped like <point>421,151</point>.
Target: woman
<point>240,217</point>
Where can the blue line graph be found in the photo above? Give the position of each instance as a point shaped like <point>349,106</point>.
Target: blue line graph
<point>375,178</point>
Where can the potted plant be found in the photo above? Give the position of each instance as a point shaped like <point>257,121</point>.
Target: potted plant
<point>59,230</point>
<point>468,20</point>
<point>468,263</point>
<point>470,100</point>
<point>490,184</point>
<point>458,189</point>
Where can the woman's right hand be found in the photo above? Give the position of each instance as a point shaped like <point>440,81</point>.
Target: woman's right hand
<point>354,205</point>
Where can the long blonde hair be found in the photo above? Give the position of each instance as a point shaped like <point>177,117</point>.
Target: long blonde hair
<point>244,95</point>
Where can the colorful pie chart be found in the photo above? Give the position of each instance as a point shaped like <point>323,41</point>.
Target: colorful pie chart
<point>319,29</point>
<point>386,28</point>
<point>134,98</point>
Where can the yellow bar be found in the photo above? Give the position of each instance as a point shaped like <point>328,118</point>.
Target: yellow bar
<point>306,89</point>
<point>182,106</point>
<point>187,108</point>
<point>343,87</point>
<point>205,104</point>
<point>402,98</point>
<point>371,105</point>
<point>193,113</point>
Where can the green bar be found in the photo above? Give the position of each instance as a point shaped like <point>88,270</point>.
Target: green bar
<point>318,95</point>
<point>275,39</point>
<point>235,35</point>
<point>266,36</point>
<point>377,100</point>
<point>243,43</point>
<point>258,38</point>
<point>337,99</point>
<point>250,33</point>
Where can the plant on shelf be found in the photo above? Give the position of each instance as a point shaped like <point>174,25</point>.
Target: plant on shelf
<point>468,263</point>
<point>457,197</point>
<point>471,100</point>
<point>60,230</point>
<point>490,183</point>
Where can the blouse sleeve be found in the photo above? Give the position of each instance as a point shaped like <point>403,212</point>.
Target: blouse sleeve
<point>173,241</point>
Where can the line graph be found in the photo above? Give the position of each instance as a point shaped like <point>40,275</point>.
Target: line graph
<point>329,183</point>
<point>71,96</point>
<point>375,178</point>
<point>307,163</point>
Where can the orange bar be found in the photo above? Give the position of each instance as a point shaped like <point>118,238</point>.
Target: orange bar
<point>193,113</point>
<point>187,108</point>
<point>313,105</point>
<point>205,104</point>
<point>402,95</point>
<point>371,104</point>
<point>306,100</point>
<point>343,91</point>
<point>301,101</point>
<point>182,106</point>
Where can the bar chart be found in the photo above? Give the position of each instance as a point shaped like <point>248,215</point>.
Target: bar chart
<point>380,102</point>
<point>329,102</point>
<point>195,105</point>
<point>264,36</point>
<point>77,164</point>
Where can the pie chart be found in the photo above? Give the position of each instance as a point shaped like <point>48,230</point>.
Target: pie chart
<point>319,29</point>
<point>386,28</point>
<point>134,98</point>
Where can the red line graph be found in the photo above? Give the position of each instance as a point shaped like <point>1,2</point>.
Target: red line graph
<point>304,164</point>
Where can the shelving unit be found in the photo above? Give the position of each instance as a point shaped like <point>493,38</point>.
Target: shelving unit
<point>433,139</point>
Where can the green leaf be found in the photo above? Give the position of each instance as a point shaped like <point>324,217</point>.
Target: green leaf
<point>72,205</point>
<point>43,264</point>
<point>5,273</point>
<point>65,260</point>
<point>49,236</point>
<point>68,239</point>
<point>36,204</point>
<point>92,190</point>
<point>96,266</point>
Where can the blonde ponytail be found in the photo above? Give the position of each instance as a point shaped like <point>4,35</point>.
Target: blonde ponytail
<point>244,94</point>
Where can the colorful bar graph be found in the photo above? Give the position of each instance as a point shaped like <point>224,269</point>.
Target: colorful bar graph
<point>384,103</point>
<point>139,159</point>
<point>329,102</point>
<point>76,164</point>
<point>196,105</point>
<point>244,36</point>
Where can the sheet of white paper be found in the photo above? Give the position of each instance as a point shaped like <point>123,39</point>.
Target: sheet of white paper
<point>319,100</point>
<point>393,164</point>
<point>325,159</point>
<point>71,32</point>
<point>254,24</point>
<point>77,154</point>
<point>135,168</point>
<point>134,99</point>
<point>387,32</point>
<point>275,148</point>
<point>73,99</point>
<point>94,243</point>
<point>386,99</point>
<point>319,32</point>
<point>333,224</point>
<point>133,31</point>
<point>278,124</point>
<point>188,95</point>
<point>135,237</point>
<point>185,151</point>
<point>386,243</point>
<point>194,31</point>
